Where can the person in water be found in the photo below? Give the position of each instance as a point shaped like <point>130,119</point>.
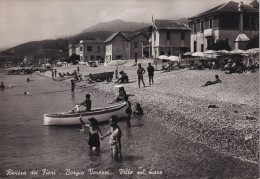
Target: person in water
<point>138,110</point>
<point>87,103</point>
<point>213,82</point>
<point>2,86</point>
<point>121,95</point>
<point>72,86</point>
<point>94,133</point>
<point>128,111</point>
<point>28,79</point>
<point>115,138</point>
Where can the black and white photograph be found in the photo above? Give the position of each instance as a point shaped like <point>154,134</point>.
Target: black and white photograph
<point>147,89</point>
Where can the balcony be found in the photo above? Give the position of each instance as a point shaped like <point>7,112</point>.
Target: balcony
<point>208,32</point>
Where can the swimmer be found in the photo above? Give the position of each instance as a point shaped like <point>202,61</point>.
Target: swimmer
<point>26,93</point>
<point>11,85</point>
<point>2,86</point>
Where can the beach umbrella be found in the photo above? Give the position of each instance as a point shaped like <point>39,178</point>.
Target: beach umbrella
<point>187,54</point>
<point>174,58</point>
<point>198,54</point>
<point>163,57</point>
<point>239,51</point>
<point>223,52</point>
<point>253,50</point>
<point>210,52</point>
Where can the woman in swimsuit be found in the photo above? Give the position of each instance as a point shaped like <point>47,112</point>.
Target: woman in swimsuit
<point>94,133</point>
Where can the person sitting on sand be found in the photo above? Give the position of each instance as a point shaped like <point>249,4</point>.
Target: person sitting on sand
<point>138,110</point>
<point>121,95</point>
<point>94,133</point>
<point>115,138</point>
<point>213,82</point>
<point>86,103</point>
<point>2,86</point>
<point>124,77</point>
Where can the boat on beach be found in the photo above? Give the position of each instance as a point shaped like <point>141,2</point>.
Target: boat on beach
<point>108,76</point>
<point>72,118</point>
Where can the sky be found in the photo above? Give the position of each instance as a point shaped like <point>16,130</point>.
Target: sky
<point>22,21</point>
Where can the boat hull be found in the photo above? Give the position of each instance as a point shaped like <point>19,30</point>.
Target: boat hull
<point>72,118</point>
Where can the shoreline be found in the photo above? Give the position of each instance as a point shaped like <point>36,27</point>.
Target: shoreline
<point>231,128</point>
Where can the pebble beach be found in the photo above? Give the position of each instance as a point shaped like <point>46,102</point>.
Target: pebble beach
<point>179,103</point>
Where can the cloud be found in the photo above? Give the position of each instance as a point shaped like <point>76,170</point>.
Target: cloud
<point>136,15</point>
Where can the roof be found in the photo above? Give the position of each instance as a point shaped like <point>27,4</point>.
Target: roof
<point>170,24</point>
<point>254,4</point>
<point>136,34</point>
<point>229,6</point>
<point>111,37</point>
<point>242,38</point>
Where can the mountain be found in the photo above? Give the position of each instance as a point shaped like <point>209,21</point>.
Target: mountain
<point>117,26</point>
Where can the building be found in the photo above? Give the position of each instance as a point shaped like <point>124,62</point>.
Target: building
<point>168,37</point>
<point>91,50</point>
<point>74,49</point>
<point>117,47</point>
<point>234,22</point>
<point>137,41</point>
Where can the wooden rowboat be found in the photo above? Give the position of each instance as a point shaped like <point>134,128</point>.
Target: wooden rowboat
<point>72,118</point>
<point>108,76</point>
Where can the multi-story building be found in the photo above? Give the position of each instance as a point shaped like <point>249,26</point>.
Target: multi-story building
<point>118,46</point>
<point>168,37</point>
<point>91,50</point>
<point>234,22</point>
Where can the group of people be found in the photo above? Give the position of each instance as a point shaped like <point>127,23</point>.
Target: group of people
<point>141,72</point>
<point>95,133</point>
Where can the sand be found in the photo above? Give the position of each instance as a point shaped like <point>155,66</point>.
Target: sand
<point>179,102</point>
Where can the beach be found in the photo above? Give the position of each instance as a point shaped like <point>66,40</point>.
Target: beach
<point>177,102</point>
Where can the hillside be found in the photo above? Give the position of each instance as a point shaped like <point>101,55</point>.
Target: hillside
<point>117,26</point>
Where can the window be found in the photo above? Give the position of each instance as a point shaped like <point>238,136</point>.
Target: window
<point>92,57</point>
<point>182,35</point>
<point>80,48</point>
<point>195,27</point>
<point>195,46</point>
<point>202,47</point>
<point>135,44</point>
<point>253,24</point>
<point>89,48</point>
<point>211,23</point>
<point>98,48</point>
<point>104,48</point>
<point>202,25</point>
<point>168,35</point>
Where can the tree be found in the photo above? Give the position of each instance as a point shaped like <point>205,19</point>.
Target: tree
<point>220,45</point>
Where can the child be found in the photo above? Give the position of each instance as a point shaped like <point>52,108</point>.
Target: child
<point>138,110</point>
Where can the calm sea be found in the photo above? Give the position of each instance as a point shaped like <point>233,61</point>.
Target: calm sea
<point>31,149</point>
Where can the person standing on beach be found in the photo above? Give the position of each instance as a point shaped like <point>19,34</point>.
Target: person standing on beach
<point>128,111</point>
<point>140,73</point>
<point>115,138</point>
<point>72,86</point>
<point>55,73</point>
<point>78,70</point>
<point>150,70</point>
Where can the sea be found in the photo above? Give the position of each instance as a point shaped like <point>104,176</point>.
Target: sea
<point>29,149</point>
